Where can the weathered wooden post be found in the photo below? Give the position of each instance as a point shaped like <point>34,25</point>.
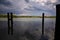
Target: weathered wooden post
<point>43,37</point>
<point>57,25</point>
<point>10,23</point>
<point>43,24</point>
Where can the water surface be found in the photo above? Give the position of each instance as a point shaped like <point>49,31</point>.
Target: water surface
<point>31,25</point>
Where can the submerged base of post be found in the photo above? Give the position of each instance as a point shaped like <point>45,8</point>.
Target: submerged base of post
<point>44,38</point>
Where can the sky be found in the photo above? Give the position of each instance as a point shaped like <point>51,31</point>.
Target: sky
<point>29,7</point>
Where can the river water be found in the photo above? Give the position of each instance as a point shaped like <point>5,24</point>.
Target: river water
<point>31,25</point>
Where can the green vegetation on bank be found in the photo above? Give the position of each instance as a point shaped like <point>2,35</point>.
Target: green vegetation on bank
<point>14,16</point>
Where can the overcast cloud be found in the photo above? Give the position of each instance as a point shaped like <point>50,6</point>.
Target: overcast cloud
<point>29,7</point>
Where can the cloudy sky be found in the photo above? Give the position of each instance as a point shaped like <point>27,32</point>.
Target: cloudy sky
<point>29,7</point>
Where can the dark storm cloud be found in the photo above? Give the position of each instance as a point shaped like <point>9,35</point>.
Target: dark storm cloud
<point>58,0</point>
<point>5,3</point>
<point>9,6</point>
<point>27,1</point>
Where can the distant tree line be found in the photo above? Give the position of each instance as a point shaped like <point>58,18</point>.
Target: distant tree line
<point>15,16</point>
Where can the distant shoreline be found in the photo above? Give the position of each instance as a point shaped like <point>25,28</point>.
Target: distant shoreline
<point>15,16</point>
<point>29,16</point>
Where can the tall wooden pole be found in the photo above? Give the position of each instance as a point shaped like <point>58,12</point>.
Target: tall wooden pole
<point>43,24</point>
<point>12,23</point>
<point>8,24</point>
<point>57,26</point>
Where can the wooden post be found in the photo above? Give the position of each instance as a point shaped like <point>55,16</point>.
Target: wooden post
<point>10,23</point>
<point>43,37</point>
<point>43,24</point>
<point>57,32</point>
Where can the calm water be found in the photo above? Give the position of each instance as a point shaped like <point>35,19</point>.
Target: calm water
<point>30,25</point>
